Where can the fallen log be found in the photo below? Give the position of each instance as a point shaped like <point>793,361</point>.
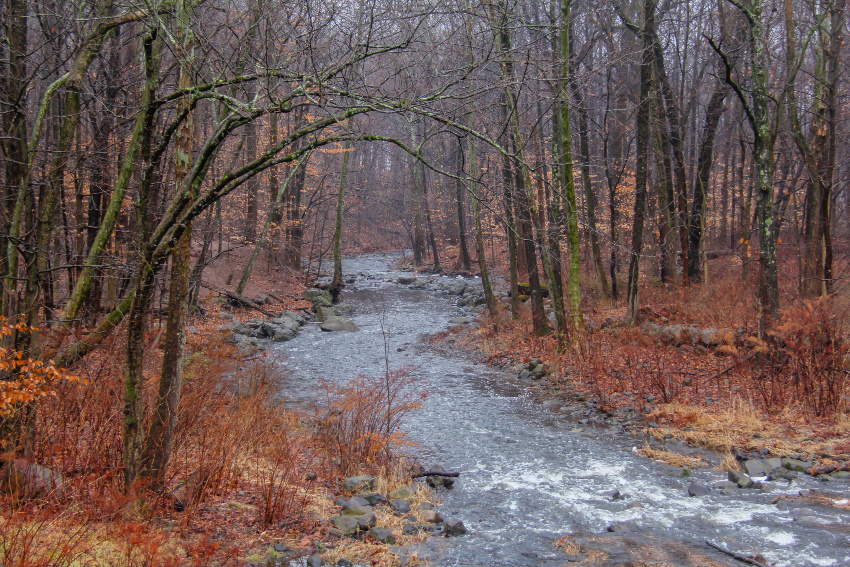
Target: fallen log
<point>437,473</point>
<point>240,298</point>
<point>756,560</point>
<point>827,469</point>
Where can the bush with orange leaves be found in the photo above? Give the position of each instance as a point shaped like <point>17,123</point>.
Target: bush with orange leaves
<point>22,379</point>
<point>805,360</point>
<point>359,424</point>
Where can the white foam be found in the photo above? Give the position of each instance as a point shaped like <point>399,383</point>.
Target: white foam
<point>781,538</point>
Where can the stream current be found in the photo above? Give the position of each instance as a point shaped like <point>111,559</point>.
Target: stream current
<point>528,474</point>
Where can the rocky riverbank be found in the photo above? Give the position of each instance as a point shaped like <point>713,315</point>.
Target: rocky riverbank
<point>748,468</point>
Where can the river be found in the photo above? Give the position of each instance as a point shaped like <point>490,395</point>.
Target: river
<point>528,474</point>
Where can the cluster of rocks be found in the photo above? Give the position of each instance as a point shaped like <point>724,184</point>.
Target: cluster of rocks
<point>721,342</point>
<point>469,294</point>
<point>357,514</point>
<point>756,471</point>
<point>332,317</point>
<point>534,369</point>
<point>251,335</point>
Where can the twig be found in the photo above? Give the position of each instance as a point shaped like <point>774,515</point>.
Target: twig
<point>749,560</point>
<point>733,366</point>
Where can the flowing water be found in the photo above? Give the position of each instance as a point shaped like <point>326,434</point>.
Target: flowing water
<point>528,475</point>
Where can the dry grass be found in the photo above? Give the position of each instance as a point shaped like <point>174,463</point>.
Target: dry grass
<point>368,551</point>
<point>742,426</point>
<point>670,458</point>
<point>567,544</point>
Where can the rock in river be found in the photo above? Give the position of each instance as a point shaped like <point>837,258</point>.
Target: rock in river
<point>454,528</point>
<point>696,489</point>
<point>339,324</point>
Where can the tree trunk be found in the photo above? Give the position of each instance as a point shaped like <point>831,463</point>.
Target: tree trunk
<point>589,193</point>
<point>523,186</point>
<point>157,448</point>
<point>465,261</point>
<point>418,203</point>
<point>713,112</point>
<point>763,159</point>
<point>568,185</point>
<point>337,282</point>
<point>666,199</point>
<point>643,135</point>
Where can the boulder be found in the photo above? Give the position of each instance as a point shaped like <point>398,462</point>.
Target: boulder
<point>409,529</point>
<point>613,495</point>
<point>425,506</point>
<point>355,510</point>
<point>373,498</point>
<point>344,308</point>
<point>245,329</point>
<point>357,501</point>
<point>324,313</point>
<point>400,505</point>
<point>741,479</point>
<point>347,524</point>
<point>454,528</point>
<point>431,516</point>
<point>367,522</point>
<point>797,465</point>
<point>405,280</point>
<point>282,334</point>
<point>343,562</point>
<point>358,483</point>
<point>297,317</point>
<point>781,473</point>
<point>318,296</point>
<point>754,467</point>
<point>286,322</point>
<point>333,324</point>
<point>725,487</point>
<point>382,535</point>
<point>314,561</point>
<point>696,489</point>
<point>403,492</point>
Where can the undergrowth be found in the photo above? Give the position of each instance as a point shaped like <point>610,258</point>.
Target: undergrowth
<point>237,478</point>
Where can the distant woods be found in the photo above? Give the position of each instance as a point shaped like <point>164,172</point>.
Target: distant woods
<point>580,145</point>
